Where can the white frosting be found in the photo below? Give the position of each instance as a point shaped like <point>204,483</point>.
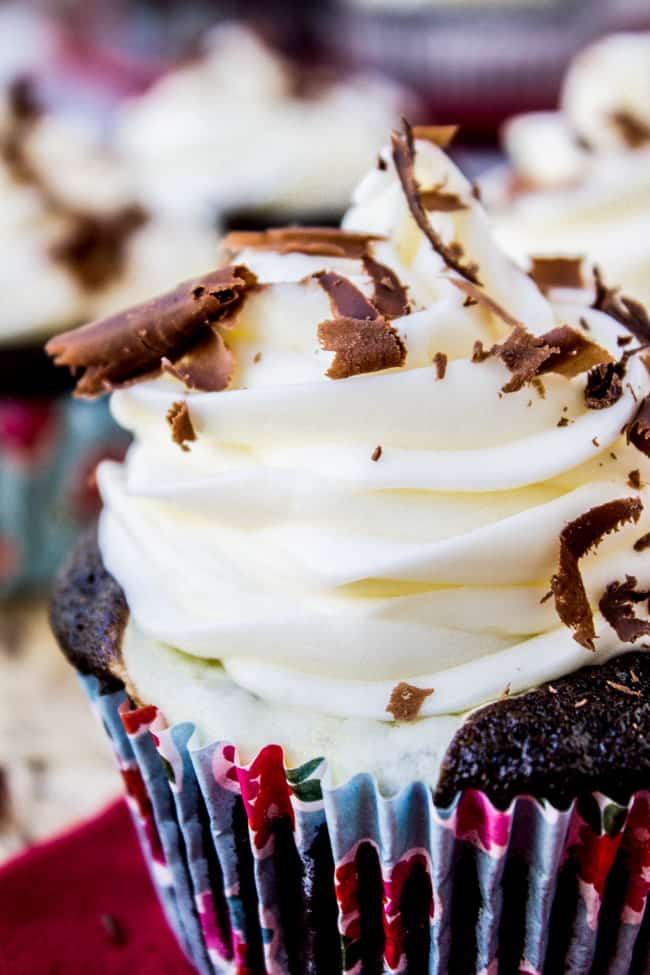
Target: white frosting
<point>40,295</point>
<point>318,577</point>
<point>589,197</point>
<point>227,132</point>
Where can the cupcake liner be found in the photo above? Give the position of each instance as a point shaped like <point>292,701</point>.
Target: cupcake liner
<point>261,868</point>
<point>49,449</point>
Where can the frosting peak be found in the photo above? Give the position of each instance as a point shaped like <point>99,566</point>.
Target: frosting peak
<point>352,530</point>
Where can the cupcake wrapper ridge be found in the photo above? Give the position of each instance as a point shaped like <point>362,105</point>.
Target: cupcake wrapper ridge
<point>264,869</point>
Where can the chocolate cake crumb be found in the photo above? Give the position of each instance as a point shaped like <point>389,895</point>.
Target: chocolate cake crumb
<point>634,479</point>
<point>556,272</point>
<point>404,159</point>
<point>376,454</point>
<point>638,432</point>
<point>440,362</point>
<point>642,543</point>
<point>180,421</point>
<point>406,701</point>
<point>577,539</point>
<point>617,606</point>
<point>175,331</point>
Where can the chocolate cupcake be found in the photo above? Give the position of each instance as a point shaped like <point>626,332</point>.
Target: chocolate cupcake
<point>75,243</point>
<point>367,613</point>
<point>243,137</point>
<point>577,180</point>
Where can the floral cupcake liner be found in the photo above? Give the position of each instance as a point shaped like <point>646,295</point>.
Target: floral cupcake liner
<point>49,448</point>
<point>264,869</point>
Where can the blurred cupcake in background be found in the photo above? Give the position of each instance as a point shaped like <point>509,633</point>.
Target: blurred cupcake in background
<point>74,243</point>
<point>577,180</point>
<point>238,136</point>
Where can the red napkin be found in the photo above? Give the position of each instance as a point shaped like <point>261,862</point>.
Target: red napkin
<point>84,904</point>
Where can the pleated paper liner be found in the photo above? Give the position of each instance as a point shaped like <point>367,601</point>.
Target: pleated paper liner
<point>49,448</point>
<point>264,869</point>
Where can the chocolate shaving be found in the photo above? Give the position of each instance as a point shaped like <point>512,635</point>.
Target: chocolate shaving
<point>638,432</point>
<point>93,247</point>
<point>576,352</point>
<point>524,354</point>
<point>440,362</point>
<point>404,159</point>
<point>642,543</point>
<point>406,701</point>
<point>436,200</point>
<point>440,135</point>
<point>345,298</point>
<point>627,311</point>
<point>180,421</point>
<point>557,272</point>
<point>578,538</point>
<point>376,454</point>
<point>160,333</point>
<point>479,297</point>
<point>617,606</point>
<point>604,386</point>
<point>633,130</point>
<point>479,354</point>
<point>322,241</point>
<point>361,345</point>
<point>390,296</point>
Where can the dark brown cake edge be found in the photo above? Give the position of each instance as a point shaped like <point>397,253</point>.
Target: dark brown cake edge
<point>586,732</point>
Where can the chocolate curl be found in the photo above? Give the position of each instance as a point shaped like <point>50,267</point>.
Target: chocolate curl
<point>137,343</point>
<point>319,241</point>
<point>617,607</point>
<point>638,432</point>
<point>404,159</point>
<point>577,539</point>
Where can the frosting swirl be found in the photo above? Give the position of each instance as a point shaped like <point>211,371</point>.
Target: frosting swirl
<point>328,539</point>
<point>578,180</point>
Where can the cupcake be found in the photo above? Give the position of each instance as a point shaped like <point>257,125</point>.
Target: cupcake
<point>366,613</point>
<point>193,140</point>
<point>75,243</point>
<point>577,180</point>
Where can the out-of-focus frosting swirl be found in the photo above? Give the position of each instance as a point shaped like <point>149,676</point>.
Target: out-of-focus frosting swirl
<point>578,180</point>
<point>57,183</point>
<point>320,571</point>
<point>193,140</point>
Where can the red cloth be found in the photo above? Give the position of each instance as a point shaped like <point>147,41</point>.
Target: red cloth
<point>83,904</point>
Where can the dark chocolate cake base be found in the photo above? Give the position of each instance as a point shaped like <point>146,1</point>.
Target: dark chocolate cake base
<point>587,732</point>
